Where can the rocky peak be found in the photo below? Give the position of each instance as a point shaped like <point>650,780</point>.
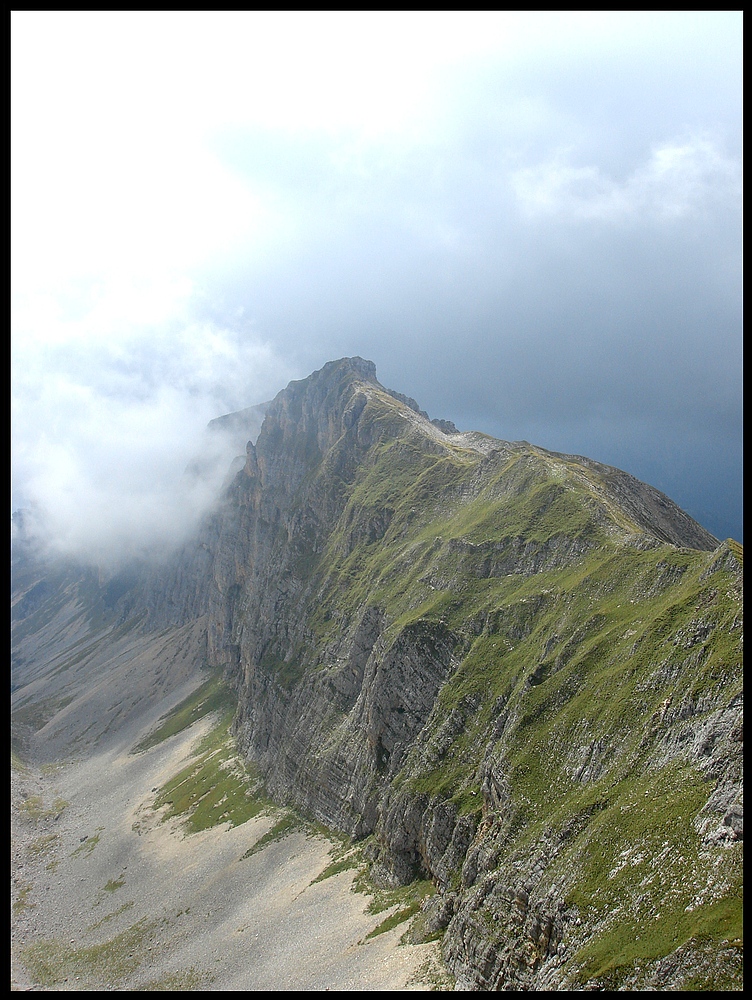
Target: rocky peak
<point>306,418</point>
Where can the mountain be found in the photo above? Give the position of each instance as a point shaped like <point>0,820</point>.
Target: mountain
<point>512,672</point>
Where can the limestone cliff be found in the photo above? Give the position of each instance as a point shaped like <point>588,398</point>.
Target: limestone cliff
<point>517,672</point>
<point>485,655</point>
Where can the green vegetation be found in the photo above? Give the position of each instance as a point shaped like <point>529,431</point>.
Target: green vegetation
<point>54,767</point>
<point>404,901</point>
<point>87,845</point>
<point>394,919</point>
<point>352,860</point>
<point>217,786</point>
<point>34,808</point>
<point>112,885</point>
<point>403,895</point>
<point>52,963</point>
<point>43,845</point>
<point>287,823</point>
<point>189,980</point>
<point>212,696</point>
<point>111,916</point>
<point>21,902</point>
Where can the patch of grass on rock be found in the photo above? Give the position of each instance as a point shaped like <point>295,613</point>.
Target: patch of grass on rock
<point>216,787</point>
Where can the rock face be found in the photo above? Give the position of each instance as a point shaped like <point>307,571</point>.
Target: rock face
<point>517,672</point>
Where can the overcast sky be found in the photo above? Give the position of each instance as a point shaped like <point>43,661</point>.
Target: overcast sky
<point>530,222</point>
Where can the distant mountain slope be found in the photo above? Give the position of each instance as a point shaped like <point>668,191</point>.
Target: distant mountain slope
<point>518,672</point>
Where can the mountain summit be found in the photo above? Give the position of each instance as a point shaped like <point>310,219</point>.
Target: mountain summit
<point>514,673</point>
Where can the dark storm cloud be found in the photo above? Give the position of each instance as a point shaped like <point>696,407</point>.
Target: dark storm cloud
<point>586,297</point>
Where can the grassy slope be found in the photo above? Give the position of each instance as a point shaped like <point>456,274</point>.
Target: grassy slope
<point>594,661</point>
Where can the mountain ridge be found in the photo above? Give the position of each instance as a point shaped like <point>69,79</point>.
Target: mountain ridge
<point>437,638</point>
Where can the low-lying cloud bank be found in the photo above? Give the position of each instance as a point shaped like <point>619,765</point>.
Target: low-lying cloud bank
<point>112,458</point>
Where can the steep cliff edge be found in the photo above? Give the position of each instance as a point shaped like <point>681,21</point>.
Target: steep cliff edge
<point>517,672</point>
<point>488,656</point>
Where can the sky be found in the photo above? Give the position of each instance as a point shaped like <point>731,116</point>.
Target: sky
<point>531,223</point>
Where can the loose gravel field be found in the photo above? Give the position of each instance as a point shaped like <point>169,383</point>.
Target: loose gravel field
<point>105,894</point>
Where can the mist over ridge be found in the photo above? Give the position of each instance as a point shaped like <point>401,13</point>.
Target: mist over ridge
<point>136,514</point>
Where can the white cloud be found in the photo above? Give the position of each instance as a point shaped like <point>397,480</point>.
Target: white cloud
<point>680,178</point>
<point>103,429</point>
